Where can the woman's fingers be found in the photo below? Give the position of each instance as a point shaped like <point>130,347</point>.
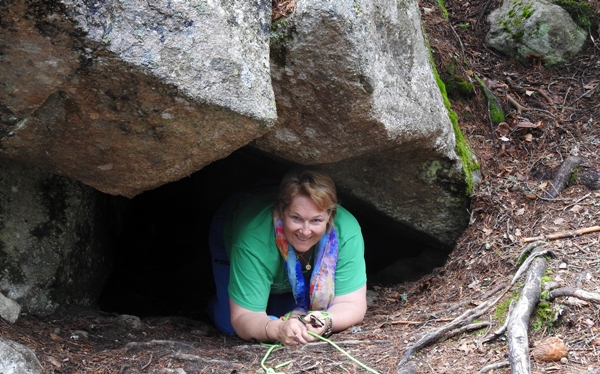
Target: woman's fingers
<point>295,332</point>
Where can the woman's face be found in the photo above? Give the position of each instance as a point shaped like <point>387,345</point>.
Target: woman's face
<point>304,223</point>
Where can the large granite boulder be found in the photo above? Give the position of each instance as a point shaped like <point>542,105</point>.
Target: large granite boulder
<point>16,358</point>
<point>355,90</point>
<point>521,28</point>
<point>54,239</point>
<point>127,96</point>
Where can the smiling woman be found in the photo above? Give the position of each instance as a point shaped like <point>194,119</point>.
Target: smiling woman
<point>287,252</point>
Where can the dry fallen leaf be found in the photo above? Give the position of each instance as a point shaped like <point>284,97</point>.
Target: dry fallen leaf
<point>487,231</point>
<point>54,362</point>
<point>559,221</point>
<point>528,138</point>
<point>520,212</point>
<point>576,208</point>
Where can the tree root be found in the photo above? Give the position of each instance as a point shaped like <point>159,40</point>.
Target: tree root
<point>574,292</point>
<point>563,175</point>
<point>518,342</point>
<point>517,320</point>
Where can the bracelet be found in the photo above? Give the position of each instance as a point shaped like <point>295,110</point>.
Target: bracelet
<point>329,329</point>
<point>266,331</point>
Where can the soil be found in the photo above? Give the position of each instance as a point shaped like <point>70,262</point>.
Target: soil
<point>510,204</point>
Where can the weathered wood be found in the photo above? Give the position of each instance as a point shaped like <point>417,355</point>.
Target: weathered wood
<point>589,178</point>
<point>536,251</point>
<point>563,175</point>
<point>496,365</point>
<point>564,234</point>
<point>574,292</point>
<point>517,331</point>
<point>464,319</point>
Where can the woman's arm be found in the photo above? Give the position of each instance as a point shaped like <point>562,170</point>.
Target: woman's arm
<point>257,325</point>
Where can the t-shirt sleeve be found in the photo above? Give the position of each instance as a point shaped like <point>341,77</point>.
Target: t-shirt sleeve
<point>249,280</point>
<point>351,268</point>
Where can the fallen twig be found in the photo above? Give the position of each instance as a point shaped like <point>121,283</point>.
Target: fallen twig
<point>563,175</point>
<point>574,292</point>
<point>517,331</point>
<point>466,318</point>
<point>502,330</point>
<point>520,108</point>
<point>535,253</point>
<point>561,235</point>
<point>470,327</point>
<point>496,365</point>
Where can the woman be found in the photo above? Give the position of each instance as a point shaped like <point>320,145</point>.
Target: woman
<point>291,249</point>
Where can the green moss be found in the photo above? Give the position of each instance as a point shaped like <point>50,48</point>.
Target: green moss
<point>458,88</point>
<point>281,32</point>
<point>495,110</point>
<point>518,36</point>
<point>580,11</point>
<point>502,310</point>
<point>469,164</point>
<point>443,8</point>
<point>543,316</point>
<point>527,11</point>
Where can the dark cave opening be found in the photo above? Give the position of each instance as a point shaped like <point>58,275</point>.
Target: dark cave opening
<point>161,261</point>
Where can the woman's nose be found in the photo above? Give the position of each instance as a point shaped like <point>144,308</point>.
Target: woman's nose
<point>305,229</point>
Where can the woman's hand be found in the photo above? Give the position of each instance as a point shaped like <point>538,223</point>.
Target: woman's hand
<point>293,332</point>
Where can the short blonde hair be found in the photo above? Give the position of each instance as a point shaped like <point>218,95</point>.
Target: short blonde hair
<point>314,184</point>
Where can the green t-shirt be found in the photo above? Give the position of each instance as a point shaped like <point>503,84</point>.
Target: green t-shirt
<point>257,268</point>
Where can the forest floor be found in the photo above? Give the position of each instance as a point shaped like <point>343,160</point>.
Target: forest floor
<point>509,205</point>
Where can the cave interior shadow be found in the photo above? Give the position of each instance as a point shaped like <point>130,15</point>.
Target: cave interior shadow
<point>161,261</point>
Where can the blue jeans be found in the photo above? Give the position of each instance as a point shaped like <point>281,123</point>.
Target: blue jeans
<point>218,307</point>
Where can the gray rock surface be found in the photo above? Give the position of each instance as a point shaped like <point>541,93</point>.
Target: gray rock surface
<point>353,78</point>
<point>50,251</point>
<point>522,27</point>
<point>355,90</point>
<point>16,358</point>
<point>9,309</point>
<point>128,96</point>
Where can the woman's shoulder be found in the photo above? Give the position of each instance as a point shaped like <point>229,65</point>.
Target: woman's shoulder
<point>345,222</point>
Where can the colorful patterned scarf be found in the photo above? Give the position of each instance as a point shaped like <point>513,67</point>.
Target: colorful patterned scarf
<point>322,281</point>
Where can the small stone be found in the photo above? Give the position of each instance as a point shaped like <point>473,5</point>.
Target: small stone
<point>562,265</point>
<point>564,360</point>
<point>79,334</point>
<point>131,321</point>
<point>550,349</point>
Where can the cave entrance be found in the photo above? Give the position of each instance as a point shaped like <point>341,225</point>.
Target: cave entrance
<point>161,260</point>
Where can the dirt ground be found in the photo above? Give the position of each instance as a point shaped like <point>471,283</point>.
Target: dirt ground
<point>560,119</point>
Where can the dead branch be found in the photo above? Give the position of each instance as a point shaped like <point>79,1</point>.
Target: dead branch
<point>589,178</point>
<point>535,253</point>
<point>496,365</point>
<point>517,332</point>
<point>520,108</point>
<point>574,292</point>
<point>502,330</point>
<point>563,175</point>
<point>470,327</point>
<point>466,318</point>
<point>564,234</point>
<point>542,93</point>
